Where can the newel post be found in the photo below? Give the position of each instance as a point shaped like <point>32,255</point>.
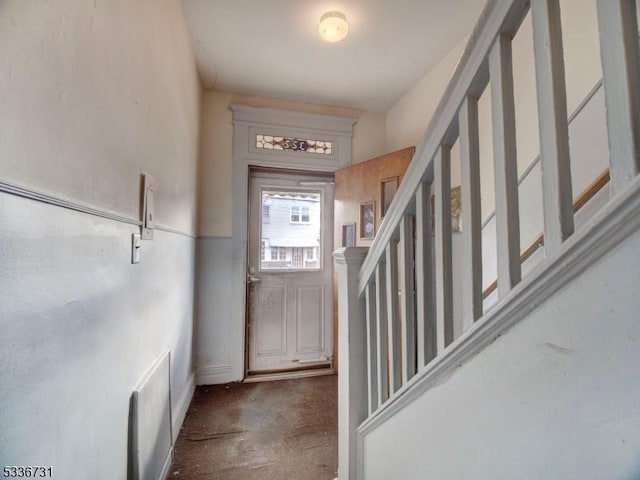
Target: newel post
<point>352,356</point>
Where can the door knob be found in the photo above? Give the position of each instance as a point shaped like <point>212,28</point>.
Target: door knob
<point>251,279</point>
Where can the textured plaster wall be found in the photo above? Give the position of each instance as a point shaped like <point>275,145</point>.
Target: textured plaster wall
<point>94,93</point>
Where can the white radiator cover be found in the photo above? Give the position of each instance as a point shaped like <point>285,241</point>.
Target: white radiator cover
<point>151,436</point>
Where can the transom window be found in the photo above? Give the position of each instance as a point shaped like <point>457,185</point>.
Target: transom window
<point>299,214</point>
<point>270,142</point>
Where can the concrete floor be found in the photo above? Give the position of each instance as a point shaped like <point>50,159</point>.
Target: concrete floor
<point>282,430</point>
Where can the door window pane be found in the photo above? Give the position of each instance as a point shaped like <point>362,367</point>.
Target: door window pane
<point>292,228</point>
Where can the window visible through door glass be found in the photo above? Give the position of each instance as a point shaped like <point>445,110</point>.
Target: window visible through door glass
<point>291,226</point>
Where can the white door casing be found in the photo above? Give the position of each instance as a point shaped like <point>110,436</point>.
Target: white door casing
<point>247,121</point>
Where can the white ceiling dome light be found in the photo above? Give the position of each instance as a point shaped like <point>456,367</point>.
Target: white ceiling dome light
<point>333,27</point>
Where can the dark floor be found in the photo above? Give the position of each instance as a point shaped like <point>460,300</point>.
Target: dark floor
<point>283,430</point>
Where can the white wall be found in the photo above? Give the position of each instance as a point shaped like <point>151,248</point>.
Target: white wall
<point>369,137</point>
<point>94,93</point>
<point>407,119</point>
<point>216,156</point>
<point>554,397</point>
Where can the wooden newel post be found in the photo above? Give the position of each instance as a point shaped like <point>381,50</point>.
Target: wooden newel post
<point>352,356</point>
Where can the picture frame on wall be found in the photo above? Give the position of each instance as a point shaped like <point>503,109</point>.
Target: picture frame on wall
<point>368,220</point>
<point>456,210</point>
<point>388,189</point>
<point>349,235</point>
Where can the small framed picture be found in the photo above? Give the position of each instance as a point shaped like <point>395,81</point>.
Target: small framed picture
<point>456,209</point>
<point>388,189</point>
<point>368,219</point>
<point>349,235</point>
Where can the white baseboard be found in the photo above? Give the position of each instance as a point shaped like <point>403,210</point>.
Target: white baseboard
<point>167,464</point>
<point>182,406</point>
<point>214,375</point>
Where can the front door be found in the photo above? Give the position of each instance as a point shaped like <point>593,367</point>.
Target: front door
<point>289,271</point>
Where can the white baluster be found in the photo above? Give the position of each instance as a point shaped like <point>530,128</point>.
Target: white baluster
<point>621,77</point>
<point>472,231</point>
<point>381,338</point>
<point>444,285</point>
<point>505,165</point>
<point>372,351</point>
<point>552,118</point>
<point>407,310</point>
<point>425,294</point>
<point>393,324</point>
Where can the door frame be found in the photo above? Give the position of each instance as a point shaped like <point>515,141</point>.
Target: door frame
<point>247,122</point>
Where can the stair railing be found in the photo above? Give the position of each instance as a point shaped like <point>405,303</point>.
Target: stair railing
<point>396,304</point>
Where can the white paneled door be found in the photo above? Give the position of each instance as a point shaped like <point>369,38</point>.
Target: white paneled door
<point>290,295</point>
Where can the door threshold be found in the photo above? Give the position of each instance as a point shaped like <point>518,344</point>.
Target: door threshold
<point>287,375</point>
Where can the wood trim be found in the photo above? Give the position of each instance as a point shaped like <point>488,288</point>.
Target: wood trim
<point>583,198</point>
<point>57,201</point>
<point>591,190</point>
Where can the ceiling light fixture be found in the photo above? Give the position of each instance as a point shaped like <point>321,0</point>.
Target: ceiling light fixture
<point>333,26</point>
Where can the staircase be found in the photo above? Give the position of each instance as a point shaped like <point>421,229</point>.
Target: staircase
<point>423,397</point>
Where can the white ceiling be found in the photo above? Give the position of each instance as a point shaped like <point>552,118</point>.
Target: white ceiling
<point>272,48</point>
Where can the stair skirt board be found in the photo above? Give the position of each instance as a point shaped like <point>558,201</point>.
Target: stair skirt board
<point>150,431</point>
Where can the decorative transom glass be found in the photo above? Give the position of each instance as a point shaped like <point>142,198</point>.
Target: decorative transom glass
<point>269,142</point>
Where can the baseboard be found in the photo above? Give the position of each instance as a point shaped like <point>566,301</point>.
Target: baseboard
<point>214,375</point>
<point>167,465</point>
<point>181,408</point>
